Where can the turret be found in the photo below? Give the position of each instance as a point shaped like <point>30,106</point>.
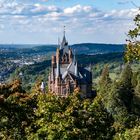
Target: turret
<point>57,55</point>
<point>58,70</point>
<point>58,79</point>
<point>58,75</point>
<point>53,61</point>
<point>53,75</point>
<point>70,55</point>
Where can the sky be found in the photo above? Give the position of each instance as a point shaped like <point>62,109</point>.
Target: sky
<point>86,21</point>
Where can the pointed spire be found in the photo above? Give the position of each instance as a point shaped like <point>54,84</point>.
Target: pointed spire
<point>64,37</point>
<point>58,69</point>
<point>57,55</point>
<point>64,41</point>
<point>52,76</point>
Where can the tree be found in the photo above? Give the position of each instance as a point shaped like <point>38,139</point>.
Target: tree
<point>130,134</point>
<point>15,111</point>
<point>119,102</point>
<point>70,118</point>
<point>133,47</point>
<point>105,79</point>
<point>136,99</point>
<point>104,84</point>
<point>116,107</point>
<point>126,87</point>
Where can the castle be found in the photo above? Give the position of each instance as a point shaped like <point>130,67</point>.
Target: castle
<point>65,75</point>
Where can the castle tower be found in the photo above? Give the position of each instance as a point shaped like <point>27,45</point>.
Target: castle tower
<point>58,70</point>
<point>65,73</point>
<point>53,61</point>
<point>58,75</point>
<point>57,56</point>
<point>64,41</point>
<point>70,55</point>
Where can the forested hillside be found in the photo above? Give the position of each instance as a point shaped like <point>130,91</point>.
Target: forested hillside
<point>94,48</point>
<point>40,70</point>
<point>112,114</point>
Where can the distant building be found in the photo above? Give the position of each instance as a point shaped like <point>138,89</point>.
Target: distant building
<point>66,76</point>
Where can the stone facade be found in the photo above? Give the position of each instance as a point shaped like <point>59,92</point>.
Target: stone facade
<point>65,75</point>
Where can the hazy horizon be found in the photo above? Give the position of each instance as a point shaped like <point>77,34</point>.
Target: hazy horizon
<point>22,44</point>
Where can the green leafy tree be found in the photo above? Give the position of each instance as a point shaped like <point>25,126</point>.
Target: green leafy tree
<point>133,47</point>
<point>15,111</point>
<point>70,118</point>
<point>130,134</point>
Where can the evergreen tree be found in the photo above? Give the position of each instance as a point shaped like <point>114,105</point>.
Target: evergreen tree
<point>135,78</point>
<point>119,102</point>
<point>116,107</point>
<point>136,99</point>
<point>125,87</point>
<point>104,84</point>
<point>105,79</point>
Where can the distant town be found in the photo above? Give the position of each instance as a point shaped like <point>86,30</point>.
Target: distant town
<point>17,56</point>
<point>12,58</point>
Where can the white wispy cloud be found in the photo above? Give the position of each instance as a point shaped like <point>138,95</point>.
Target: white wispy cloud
<point>48,19</point>
<point>122,2</point>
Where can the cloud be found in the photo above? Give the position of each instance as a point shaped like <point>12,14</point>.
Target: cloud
<point>78,9</point>
<point>123,2</point>
<point>41,18</point>
<point>126,14</point>
<point>42,9</point>
<point>1,26</point>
